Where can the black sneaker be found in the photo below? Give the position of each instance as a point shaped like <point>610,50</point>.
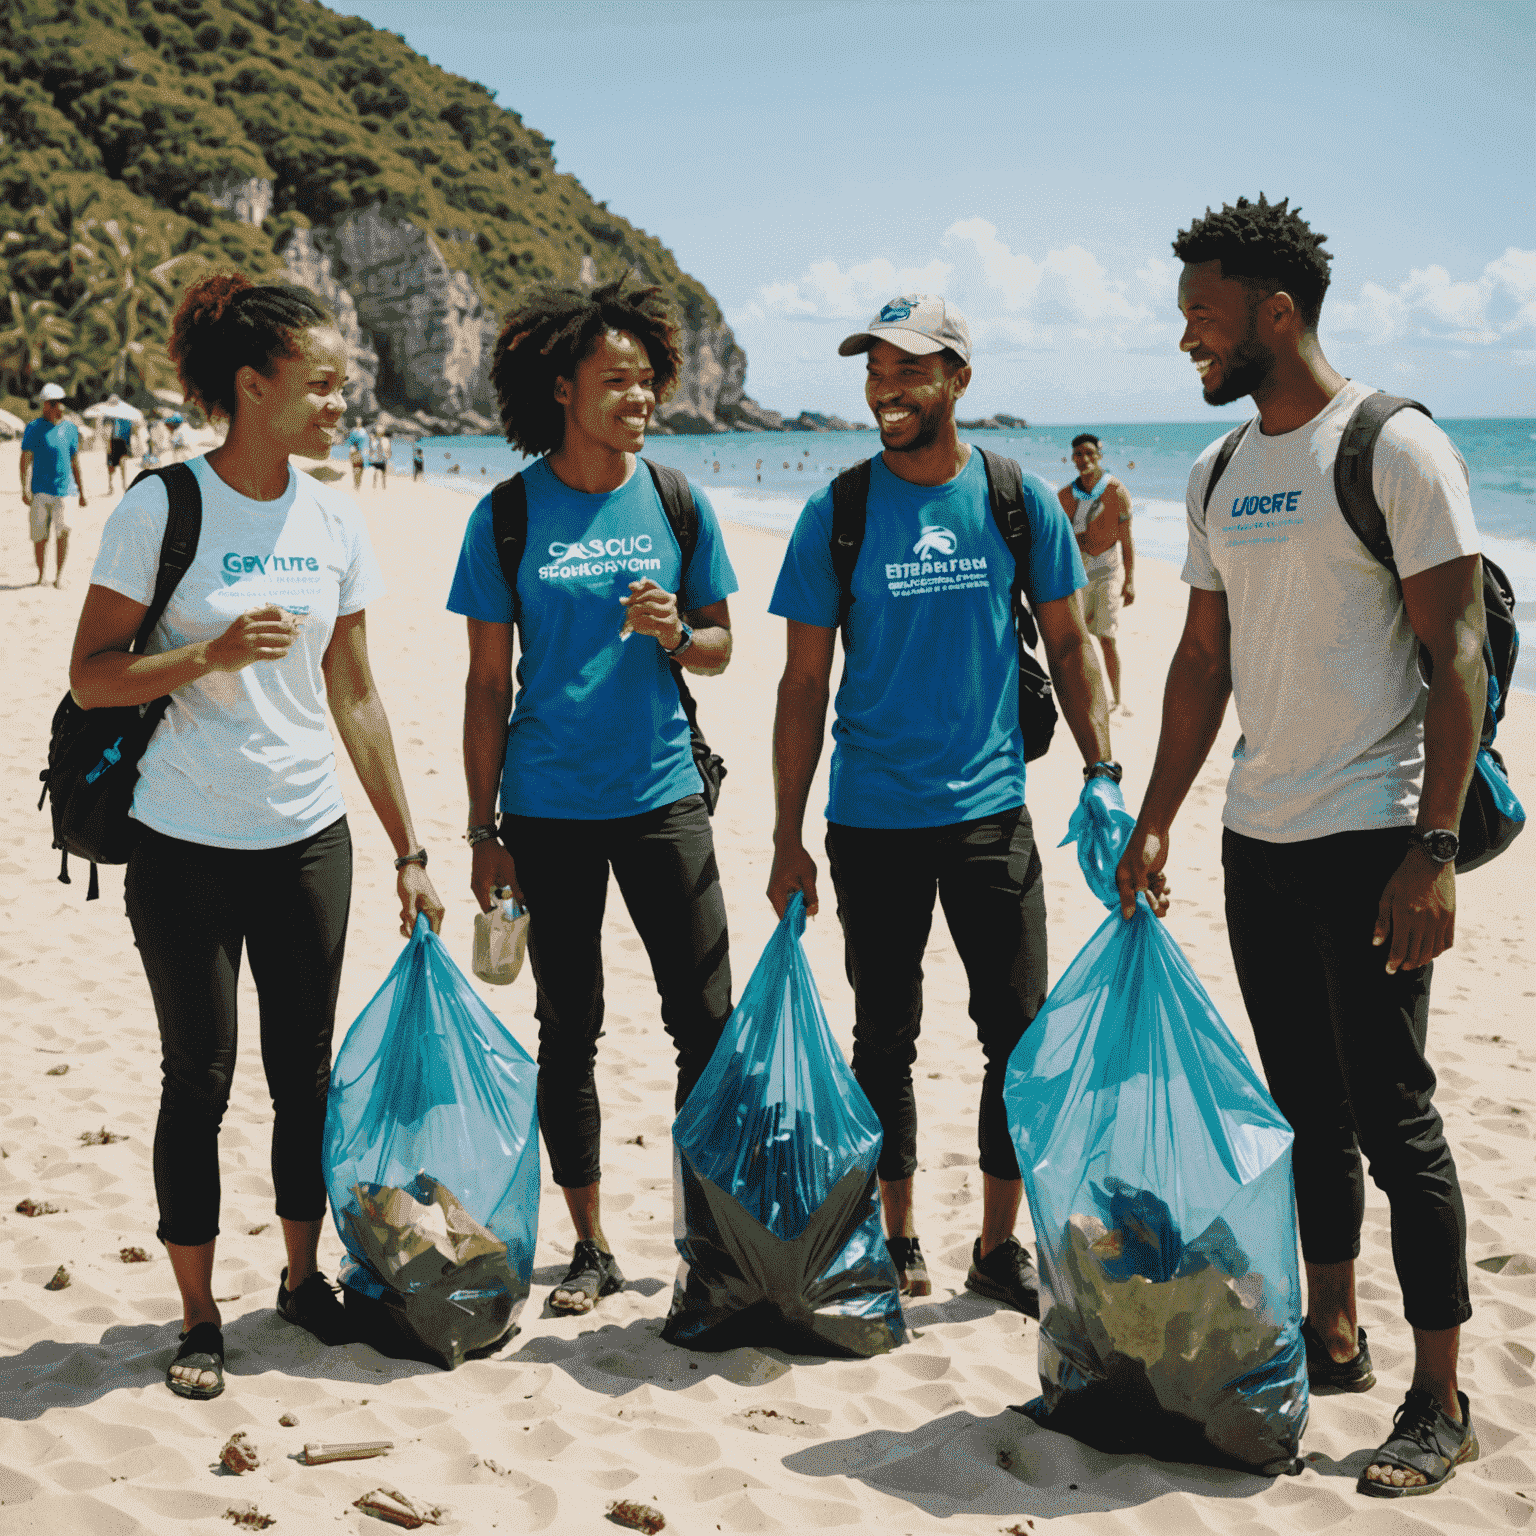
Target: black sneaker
<point>911,1267</point>
<point>1325,1374</point>
<point>1007,1274</point>
<point>315,1307</point>
<point>593,1274</point>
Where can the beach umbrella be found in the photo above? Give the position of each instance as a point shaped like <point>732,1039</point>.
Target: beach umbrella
<point>118,410</point>
<point>11,426</point>
<point>168,396</point>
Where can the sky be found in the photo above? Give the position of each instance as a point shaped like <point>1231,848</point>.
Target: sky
<point>1032,161</point>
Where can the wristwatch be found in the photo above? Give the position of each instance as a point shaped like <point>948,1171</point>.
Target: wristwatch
<point>1438,844</point>
<point>419,857</point>
<point>484,833</point>
<point>681,646</point>
<point>1103,770</point>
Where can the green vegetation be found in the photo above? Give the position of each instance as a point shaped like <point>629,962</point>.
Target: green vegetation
<point>117,118</point>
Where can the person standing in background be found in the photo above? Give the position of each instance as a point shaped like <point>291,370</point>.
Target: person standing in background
<point>1100,509</point>
<point>382,448</point>
<point>357,446</point>
<point>119,445</point>
<point>418,462</point>
<point>50,456</point>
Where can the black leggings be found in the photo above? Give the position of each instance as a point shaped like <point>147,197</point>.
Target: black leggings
<point>664,862</point>
<point>1343,1046</point>
<point>192,908</point>
<point>987,875</point>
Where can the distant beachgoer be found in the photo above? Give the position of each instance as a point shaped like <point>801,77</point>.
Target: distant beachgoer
<point>50,457</point>
<point>1345,795</point>
<point>243,840</point>
<point>759,471</point>
<point>577,373</point>
<point>927,786</point>
<point>379,449</point>
<point>357,446</point>
<point>119,444</point>
<point>179,440</point>
<point>1100,509</point>
<point>418,462</point>
<point>155,441</point>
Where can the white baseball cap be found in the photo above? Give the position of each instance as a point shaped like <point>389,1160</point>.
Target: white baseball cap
<point>916,322</point>
<point>51,392</point>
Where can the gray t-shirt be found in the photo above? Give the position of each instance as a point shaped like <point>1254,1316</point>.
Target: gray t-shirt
<point>1324,661</point>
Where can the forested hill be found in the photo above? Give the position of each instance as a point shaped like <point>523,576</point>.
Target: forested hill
<point>285,138</point>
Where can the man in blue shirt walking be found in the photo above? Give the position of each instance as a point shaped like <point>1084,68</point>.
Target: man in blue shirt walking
<point>927,783</point>
<point>50,456</point>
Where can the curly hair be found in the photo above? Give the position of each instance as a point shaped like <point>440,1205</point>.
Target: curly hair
<point>225,322</point>
<point>1262,244</point>
<point>552,328</point>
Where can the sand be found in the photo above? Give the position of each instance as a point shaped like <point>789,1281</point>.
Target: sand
<point>576,1413</point>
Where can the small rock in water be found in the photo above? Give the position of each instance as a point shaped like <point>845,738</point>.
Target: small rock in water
<point>638,1517</point>
<point>57,1071</point>
<point>101,1138</point>
<point>133,1256</point>
<point>60,1280</point>
<point>287,1421</point>
<point>392,1505</point>
<point>37,1208</point>
<point>239,1454</point>
<point>250,1518</point>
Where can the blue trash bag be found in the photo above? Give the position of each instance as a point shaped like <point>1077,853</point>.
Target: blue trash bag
<point>777,1207</point>
<point>432,1163</point>
<point>1158,1172</point>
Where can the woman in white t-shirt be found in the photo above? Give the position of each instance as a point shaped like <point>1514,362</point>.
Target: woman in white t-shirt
<point>244,841</point>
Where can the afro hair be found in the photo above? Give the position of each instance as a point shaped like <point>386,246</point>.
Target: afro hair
<point>1264,245</point>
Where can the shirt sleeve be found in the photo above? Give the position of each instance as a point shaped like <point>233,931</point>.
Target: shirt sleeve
<point>363,582</point>
<point>479,589</point>
<point>34,430</point>
<point>1199,569</point>
<point>807,589</point>
<point>1055,566</point>
<point>1422,487</point>
<point>129,557</point>
<point>711,576</point>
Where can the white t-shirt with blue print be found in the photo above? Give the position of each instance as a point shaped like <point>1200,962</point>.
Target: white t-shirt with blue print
<point>927,728</point>
<point>598,730</point>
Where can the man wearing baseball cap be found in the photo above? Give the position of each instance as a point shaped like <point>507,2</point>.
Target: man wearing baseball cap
<point>50,455</point>
<point>927,780</point>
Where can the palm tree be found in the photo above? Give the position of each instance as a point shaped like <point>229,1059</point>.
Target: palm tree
<point>36,334</point>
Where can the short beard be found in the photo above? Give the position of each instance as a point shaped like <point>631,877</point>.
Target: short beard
<point>1249,371</point>
<point>927,435</point>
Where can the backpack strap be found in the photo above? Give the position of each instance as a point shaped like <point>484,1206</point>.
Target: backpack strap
<point>1352,471</point>
<point>850,505</point>
<point>1223,457</point>
<point>509,528</point>
<point>1005,494</point>
<point>178,548</point>
<point>677,502</point>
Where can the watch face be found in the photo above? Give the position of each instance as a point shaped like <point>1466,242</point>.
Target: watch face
<point>1442,847</point>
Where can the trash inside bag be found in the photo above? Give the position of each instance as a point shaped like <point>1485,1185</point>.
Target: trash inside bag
<point>1158,1172</point>
<point>501,937</point>
<point>432,1163</point>
<point>777,1206</point>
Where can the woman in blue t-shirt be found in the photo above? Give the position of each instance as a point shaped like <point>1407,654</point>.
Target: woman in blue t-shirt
<point>243,844</point>
<point>595,769</point>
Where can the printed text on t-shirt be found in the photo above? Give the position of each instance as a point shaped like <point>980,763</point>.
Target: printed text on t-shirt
<point>926,575</point>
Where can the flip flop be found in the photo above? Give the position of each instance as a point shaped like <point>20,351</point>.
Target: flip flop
<point>1426,1440</point>
<point>593,1273</point>
<point>202,1348</point>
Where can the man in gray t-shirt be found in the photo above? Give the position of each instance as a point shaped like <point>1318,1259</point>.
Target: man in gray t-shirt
<point>1346,790</point>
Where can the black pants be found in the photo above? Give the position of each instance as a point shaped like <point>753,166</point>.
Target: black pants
<point>1342,1044</point>
<point>664,862</point>
<point>987,875</point>
<point>193,908</point>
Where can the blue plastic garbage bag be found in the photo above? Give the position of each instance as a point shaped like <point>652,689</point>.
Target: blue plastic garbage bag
<point>1158,1172</point>
<point>432,1162</point>
<point>777,1209</point>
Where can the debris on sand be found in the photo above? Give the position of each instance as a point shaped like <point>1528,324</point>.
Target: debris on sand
<point>37,1208</point>
<point>101,1138</point>
<point>57,1071</point>
<point>287,1421</point>
<point>638,1517</point>
<point>257,1231</point>
<point>239,1454</point>
<point>250,1518</point>
<point>133,1256</point>
<point>635,1141</point>
<point>316,1455</point>
<point>60,1280</point>
<point>392,1505</point>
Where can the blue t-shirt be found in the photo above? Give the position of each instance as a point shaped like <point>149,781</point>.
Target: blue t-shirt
<point>122,429</point>
<point>598,730</point>
<point>927,728</point>
<point>52,445</point>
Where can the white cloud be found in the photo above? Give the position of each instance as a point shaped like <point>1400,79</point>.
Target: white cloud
<point>826,292</point>
<point>1431,305</point>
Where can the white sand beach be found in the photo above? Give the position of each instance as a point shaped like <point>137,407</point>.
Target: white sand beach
<point>575,1413</point>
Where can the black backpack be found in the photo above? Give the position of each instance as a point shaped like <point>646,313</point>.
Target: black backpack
<point>1005,494</point>
<point>1485,830</point>
<point>509,525</point>
<point>93,754</point>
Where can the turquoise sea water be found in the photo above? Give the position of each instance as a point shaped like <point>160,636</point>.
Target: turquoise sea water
<point>763,478</point>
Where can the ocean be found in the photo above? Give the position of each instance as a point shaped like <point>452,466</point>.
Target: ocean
<point>763,478</point>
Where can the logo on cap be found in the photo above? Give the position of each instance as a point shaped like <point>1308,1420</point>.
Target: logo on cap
<point>897,309</point>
